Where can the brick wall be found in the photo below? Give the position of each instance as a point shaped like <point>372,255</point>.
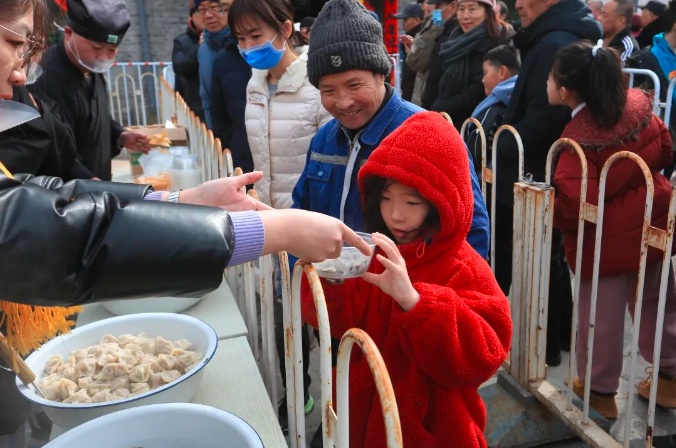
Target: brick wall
<point>166,19</point>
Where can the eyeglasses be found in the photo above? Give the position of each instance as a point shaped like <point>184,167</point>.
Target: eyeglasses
<point>28,50</point>
<point>211,9</point>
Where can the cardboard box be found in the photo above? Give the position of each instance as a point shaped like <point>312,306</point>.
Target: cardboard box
<point>178,136</point>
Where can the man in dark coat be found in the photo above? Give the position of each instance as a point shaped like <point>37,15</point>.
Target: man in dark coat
<point>74,80</point>
<point>185,64</point>
<point>448,15</point>
<point>615,19</point>
<point>652,23</point>
<point>548,26</point>
<point>412,17</point>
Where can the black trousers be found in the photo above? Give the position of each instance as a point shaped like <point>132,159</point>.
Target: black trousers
<point>560,293</point>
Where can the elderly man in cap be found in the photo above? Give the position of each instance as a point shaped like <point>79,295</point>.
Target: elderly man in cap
<point>348,63</point>
<point>412,17</point>
<point>74,80</point>
<point>651,22</point>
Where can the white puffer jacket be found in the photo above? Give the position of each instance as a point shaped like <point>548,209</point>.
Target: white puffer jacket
<point>280,129</point>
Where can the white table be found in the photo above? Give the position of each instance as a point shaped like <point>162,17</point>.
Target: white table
<point>218,309</point>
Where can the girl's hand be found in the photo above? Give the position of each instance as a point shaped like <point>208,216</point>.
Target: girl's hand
<point>394,281</point>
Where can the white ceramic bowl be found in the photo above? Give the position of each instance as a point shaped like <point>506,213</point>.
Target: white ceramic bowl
<point>174,425</point>
<point>351,262</point>
<point>150,305</point>
<point>170,326</point>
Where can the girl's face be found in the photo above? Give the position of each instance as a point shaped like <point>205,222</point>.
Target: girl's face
<point>553,92</point>
<point>404,211</point>
<point>470,15</point>
<point>14,44</point>
<point>252,32</point>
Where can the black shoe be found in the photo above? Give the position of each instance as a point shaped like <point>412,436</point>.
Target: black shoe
<point>283,414</point>
<point>553,359</point>
<point>318,438</point>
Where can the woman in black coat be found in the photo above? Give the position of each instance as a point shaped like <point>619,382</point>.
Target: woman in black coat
<point>460,87</point>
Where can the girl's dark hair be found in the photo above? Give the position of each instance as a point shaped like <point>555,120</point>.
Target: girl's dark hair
<point>373,219</point>
<point>11,10</point>
<point>597,80</point>
<point>271,12</point>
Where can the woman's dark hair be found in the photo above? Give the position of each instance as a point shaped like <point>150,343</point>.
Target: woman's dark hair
<point>373,219</point>
<point>494,26</point>
<point>14,9</point>
<point>271,12</point>
<point>597,79</point>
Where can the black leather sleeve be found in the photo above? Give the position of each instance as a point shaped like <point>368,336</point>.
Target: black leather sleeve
<point>74,243</point>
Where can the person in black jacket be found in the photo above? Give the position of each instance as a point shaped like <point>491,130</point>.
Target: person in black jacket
<point>185,64</point>
<point>547,27</point>
<point>448,10</point>
<point>616,18</point>
<point>651,23</point>
<point>228,102</point>
<point>412,17</point>
<point>460,88</point>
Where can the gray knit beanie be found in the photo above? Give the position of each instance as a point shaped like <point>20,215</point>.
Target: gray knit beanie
<point>345,37</point>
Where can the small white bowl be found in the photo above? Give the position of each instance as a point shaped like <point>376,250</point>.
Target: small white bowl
<point>150,305</point>
<point>351,262</point>
<point>170,326</point>
<point>173,425</point>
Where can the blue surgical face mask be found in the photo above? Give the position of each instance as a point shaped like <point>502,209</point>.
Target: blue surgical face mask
<point>264,56</point>
<point>437,19</point>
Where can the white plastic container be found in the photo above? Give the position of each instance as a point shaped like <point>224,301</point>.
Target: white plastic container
<point>163,426</point>
<point>185,172</point>
<point>170,326</point>
<point>351,263</point>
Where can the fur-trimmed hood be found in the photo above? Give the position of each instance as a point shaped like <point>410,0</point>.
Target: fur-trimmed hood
<point>637,114</point>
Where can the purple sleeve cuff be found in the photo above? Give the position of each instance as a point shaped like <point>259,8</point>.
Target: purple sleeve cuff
<point>249,237</point>
<point>154,196</point>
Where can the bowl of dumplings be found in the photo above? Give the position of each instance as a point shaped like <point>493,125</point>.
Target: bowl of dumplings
<point>120,363</point>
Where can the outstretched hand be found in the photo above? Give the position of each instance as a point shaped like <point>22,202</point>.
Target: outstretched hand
<point>308,235</point>
<point>394,280</point>
<point>225,193</point>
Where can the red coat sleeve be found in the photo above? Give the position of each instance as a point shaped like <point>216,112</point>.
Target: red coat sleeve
<point>460,333</point>
<point>568,181</point>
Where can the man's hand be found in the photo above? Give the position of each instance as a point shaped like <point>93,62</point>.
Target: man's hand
<point>225,193</point>
<point>134,141</point>
<point>308,235</point>
<point>406,41</point>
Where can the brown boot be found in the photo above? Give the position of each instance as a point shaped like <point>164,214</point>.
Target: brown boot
<point>666,389</point>
<point>604,404</point>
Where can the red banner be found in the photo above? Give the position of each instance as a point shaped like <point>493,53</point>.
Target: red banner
<point>385,10</point>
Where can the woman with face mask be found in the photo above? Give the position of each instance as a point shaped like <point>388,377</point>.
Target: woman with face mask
<point>85,241</point>
<point>282,115</point>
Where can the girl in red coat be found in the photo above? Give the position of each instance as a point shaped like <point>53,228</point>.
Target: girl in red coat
<point>429,301</point>
<point>607,118</point>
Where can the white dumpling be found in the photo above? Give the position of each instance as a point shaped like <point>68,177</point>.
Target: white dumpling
<point>185,362</point>
<point>78,397</point>
<point>112,370</point>
<point>139,388</point>
<point>97,386</point>
<point>66,388</point>
<point>155,381</point>
<point>102,396</point>
<point>178,352</point>
<point>170,375</point>
<point>106,338</point>
<point>86,367</point>
<point>125,357</point>
<point>140,373</point>
<point>53,363</point>
<point>183,344</point>
<point>50,389</point>
<point>121,382</point>
<point>147,345</point>
<point>121,393</point>
<point>70,373</point>
<point>79,355</point>
<point>106,358</point>
<point>70,361</point>
<point>84,382</point>
<point>155,365</point>
<point>126,339</point>
<point>162,346</point>
<point>166,362</point>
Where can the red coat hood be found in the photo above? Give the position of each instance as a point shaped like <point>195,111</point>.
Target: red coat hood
<point>440,173</point>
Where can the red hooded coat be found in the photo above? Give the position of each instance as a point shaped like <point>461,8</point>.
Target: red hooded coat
<point>641,132</point>
<point>456,336</point>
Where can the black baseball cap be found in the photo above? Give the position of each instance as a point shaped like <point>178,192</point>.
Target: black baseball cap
<point>104,21</point>
<point>411,10</point>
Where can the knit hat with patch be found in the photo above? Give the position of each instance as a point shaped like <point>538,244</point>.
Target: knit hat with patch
<point>345,37</point>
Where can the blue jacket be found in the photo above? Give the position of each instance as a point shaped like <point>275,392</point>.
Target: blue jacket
<point>228,94</point>
<point>323,181</point>
<point>206,54</point>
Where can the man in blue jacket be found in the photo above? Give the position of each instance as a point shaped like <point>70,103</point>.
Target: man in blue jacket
<point>349,66</point>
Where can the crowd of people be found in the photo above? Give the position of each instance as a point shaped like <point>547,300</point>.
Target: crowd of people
<point>302,94</point>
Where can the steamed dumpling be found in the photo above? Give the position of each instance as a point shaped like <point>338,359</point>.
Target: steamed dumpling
<point>139,388</point>
<point>162,346</point>
<point>53,363</point>
<point>111,371</point>
<point>86,367</point>
<point>108,338</point>
<point>140,374</point>
<point>170,375</point>
<point>78,397</point>
<point>121,382</point>
<point>166,362</point>
<point>102,396</point>
<point>183,344</point>
<point>185,362</point>
<point>121,393</point>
